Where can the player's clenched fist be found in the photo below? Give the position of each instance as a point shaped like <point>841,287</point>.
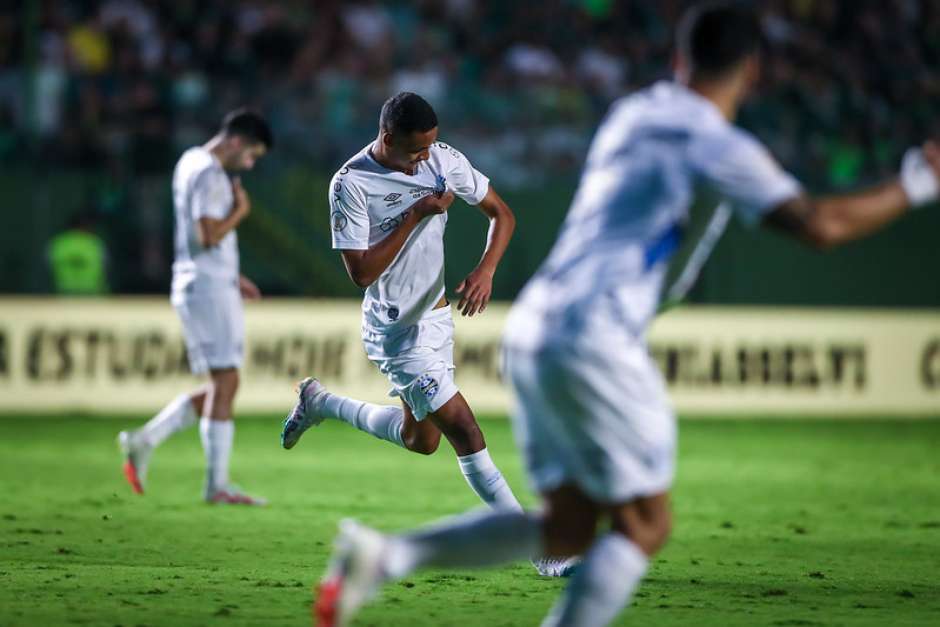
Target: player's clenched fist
<point>433,204</point>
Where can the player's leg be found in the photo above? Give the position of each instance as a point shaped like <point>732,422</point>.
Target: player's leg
<point>419,436</point>
<point>455,420</point>
<point>217,431</point>
<point>315,404</point>
<point>138,445</point>
<point>365,559</point>
<point>614,564</point>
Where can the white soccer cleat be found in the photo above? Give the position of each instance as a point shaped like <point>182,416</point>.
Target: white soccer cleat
<point>557,566</point>
<point>233,495</point>
<point>353,576</point>
<point>136,460</point>
<point>305,414</point>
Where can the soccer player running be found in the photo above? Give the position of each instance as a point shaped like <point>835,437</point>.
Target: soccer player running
<point>388,211</point>
<point>207,292</point>
<point>593,419</point>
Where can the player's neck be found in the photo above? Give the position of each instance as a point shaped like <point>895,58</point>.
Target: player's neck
<point>217,149</point>
<point>725,95</point>
<point>377,152</point>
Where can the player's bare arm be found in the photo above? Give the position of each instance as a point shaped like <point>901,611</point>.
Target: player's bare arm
<point>211,230</point>
<point>833,220</point>
<point>248,289</point>
<point>365,266</point>
<point>477,288</point>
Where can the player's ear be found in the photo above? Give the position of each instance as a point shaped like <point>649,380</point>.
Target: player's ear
<point>387,139</point>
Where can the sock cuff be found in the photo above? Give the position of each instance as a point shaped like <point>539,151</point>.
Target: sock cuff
<point>208,425</point>
<point>627,552</point>
<point>476,462</point>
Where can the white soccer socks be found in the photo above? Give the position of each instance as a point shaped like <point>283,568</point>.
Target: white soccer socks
<point>382,421</point>
<point>179,414</point>
<point>474,539</point>
<point>217,437</point>
<point>486,480</point>
<point>603,584</point>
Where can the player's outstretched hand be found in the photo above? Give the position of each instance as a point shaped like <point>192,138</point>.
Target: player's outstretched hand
<point>433,205</point>
<point>475,292</point>
<point>248,288</point>
<point>242,204</point>
<point>932,154</point>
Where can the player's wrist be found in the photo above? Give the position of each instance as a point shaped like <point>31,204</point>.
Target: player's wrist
<point>918,179</point>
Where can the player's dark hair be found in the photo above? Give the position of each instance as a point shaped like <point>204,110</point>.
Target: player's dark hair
<point>248,124</point>
<point>713,37</point>
<point>407,113</point>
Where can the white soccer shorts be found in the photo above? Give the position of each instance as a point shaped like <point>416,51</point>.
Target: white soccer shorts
<point>213,327</point>
<point>418,361</point>
<point>595,416</point>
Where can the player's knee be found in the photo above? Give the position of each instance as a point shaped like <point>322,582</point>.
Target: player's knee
<point>423,443</point>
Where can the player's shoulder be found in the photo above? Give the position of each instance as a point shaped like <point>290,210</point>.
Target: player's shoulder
<point>194,162</point>
<point>442,152</point>
<point>725,141</point>
<point>358,169</point>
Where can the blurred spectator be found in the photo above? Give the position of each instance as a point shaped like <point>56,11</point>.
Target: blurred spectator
<point>136,79</point>
<point>114,90</point>
<point>78,258</point>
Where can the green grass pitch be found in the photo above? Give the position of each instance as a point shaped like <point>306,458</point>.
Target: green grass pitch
<point>777,523</point>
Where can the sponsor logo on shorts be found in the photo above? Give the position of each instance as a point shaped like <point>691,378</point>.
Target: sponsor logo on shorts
<point>428,386</point>
<point>339,221</point>
<point>393,313</point>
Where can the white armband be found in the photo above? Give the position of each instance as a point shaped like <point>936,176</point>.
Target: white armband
<point>918,179</point>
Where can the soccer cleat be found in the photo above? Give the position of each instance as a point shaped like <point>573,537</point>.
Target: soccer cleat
<point>136,460</point>
<point>557,566</point>
<point>305,414</point>
<point>233,495</point>
<point>353,576</point>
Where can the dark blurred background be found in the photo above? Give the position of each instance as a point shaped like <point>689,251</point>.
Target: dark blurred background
<point>98,99</point>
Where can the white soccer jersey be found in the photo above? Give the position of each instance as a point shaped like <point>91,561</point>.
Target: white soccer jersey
<point>201,188</point>
<point>368,202</point>
<point>657,152</point>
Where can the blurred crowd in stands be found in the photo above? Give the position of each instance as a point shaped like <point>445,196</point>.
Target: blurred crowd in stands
<point>125,85</point>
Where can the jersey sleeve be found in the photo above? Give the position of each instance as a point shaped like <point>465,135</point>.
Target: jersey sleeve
<point>349,216</point>
<point>209,198</point>
<point>467,183</point>
<point>741,170</point>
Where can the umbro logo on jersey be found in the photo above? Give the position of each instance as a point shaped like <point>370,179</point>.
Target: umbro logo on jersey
<point>392,197</point>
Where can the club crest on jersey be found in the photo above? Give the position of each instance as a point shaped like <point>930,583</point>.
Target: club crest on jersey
<point>440,185</point>
<point>428,386</point>
<point>393,313</point>
<point>339,221</point>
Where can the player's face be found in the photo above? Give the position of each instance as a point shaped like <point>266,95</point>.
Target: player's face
<point>247,155</point>
<point>407,150</point>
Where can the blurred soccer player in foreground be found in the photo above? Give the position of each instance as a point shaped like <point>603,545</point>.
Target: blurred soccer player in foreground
<point>593,419</point>
<point>207,293</point>
<point>388,211</point>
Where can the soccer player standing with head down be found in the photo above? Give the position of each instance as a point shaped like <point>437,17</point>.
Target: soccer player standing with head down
<point>388,211</point>
<point>207,293</point>
<point>593,417</point>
